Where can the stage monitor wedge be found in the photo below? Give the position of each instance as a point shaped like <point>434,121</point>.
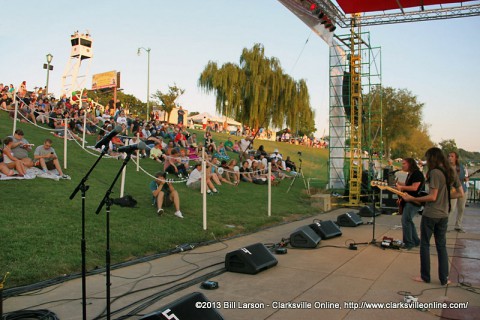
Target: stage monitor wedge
<point>304,237</point>
<point>250,260</point>
<point>326,229</point>
<point>367,211</point>
<point>349,219</point>
<point>186,308</point>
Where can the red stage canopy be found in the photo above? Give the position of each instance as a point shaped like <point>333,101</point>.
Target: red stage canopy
<point>358,6</point>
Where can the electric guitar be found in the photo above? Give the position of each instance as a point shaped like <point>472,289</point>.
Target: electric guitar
<point>474,173</point>
<point>384,186</point>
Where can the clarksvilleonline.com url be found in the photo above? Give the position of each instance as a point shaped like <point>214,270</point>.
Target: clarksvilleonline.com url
<point>404,305</point>
<point>352,305</point>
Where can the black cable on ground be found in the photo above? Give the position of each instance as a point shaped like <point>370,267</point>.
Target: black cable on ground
<point>15,291</point>
<point>42,314</point>
<point>153,298</point>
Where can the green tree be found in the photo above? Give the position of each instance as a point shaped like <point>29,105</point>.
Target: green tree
<point>448,146</point>
<point>166,101</point>
<point>258,93</point>
<point>414,145</point>
<point>401,115</point>
<point>135,106</point>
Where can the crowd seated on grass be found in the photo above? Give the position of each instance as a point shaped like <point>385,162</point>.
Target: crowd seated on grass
<point>168,144</point>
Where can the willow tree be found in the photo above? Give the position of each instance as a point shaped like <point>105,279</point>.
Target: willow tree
<point>258,93</point>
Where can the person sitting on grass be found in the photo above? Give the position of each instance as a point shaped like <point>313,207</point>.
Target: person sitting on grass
<point>229,144</point>
<point>21,147</point>
<point>156,152</point>
<point>245,172</point>
<point>290,164</point>
<point>5,170</point>
<point>258,171</point>
<point>193,152</point>
<point>234,171</point>
<point>222,152</point>
<point>174,165</point>
<point>47,159</point>
<point>180,139</point>
<point>164,193</point>
<point>9,159</point>
<point>184,158</point>
<point>224,174</point>
<point>192,140</point>
<point>236,147</point>
<point>195,180</point>
<point>210,146</point>
<point>216,176</point>
<point>277,171</point>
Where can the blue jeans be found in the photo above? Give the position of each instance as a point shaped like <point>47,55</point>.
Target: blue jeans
<point>410,236</point>
<point>437,227</point>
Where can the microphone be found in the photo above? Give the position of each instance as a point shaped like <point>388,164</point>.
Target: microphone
<point>133,147</point>
<point>393,172</point>
<point>107,138</point>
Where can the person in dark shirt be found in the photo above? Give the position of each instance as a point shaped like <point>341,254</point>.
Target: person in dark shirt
<point>181,113</point>
<point>413,184</point>
<point>165,194</point>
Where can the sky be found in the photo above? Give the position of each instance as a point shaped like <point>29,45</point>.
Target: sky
<point>437,60</point>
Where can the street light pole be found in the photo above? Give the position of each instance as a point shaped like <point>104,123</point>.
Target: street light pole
<point>49,60</point>
<point>148,79</point>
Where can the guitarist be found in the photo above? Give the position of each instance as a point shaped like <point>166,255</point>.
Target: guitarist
<point>413,185</point>
<point>443,186</point>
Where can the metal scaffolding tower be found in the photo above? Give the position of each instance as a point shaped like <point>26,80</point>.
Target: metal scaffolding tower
<point>355,113</point>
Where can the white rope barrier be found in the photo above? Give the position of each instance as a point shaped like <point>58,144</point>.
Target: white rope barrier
<point>204,160</point>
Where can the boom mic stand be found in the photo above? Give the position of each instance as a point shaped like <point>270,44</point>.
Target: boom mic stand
<point>83,187</point>
<point>108,201</point>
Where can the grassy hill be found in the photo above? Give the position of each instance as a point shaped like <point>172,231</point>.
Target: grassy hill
<point>41,226</point>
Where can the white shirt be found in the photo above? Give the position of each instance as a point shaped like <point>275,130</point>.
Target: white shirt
<point>244,145</point>
<point>194,176</point>
<point>276,156</point>
<point>122,120</point>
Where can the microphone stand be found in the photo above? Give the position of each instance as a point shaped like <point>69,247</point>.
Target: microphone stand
<point>108,201</point>
<point>83,187</point>
<point>374,241</point>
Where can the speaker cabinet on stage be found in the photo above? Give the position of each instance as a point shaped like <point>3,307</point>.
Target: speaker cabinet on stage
<point>304,237</point>
<point>185,308</point>
<point>250,260</point>
<point>349,219</point>
<point>367,211</point>
<point>326,229</point>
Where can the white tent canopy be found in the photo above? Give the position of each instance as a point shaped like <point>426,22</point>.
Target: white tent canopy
<point>199,117</point>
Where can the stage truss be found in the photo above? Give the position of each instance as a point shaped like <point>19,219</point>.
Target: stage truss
<point>353,134</point>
